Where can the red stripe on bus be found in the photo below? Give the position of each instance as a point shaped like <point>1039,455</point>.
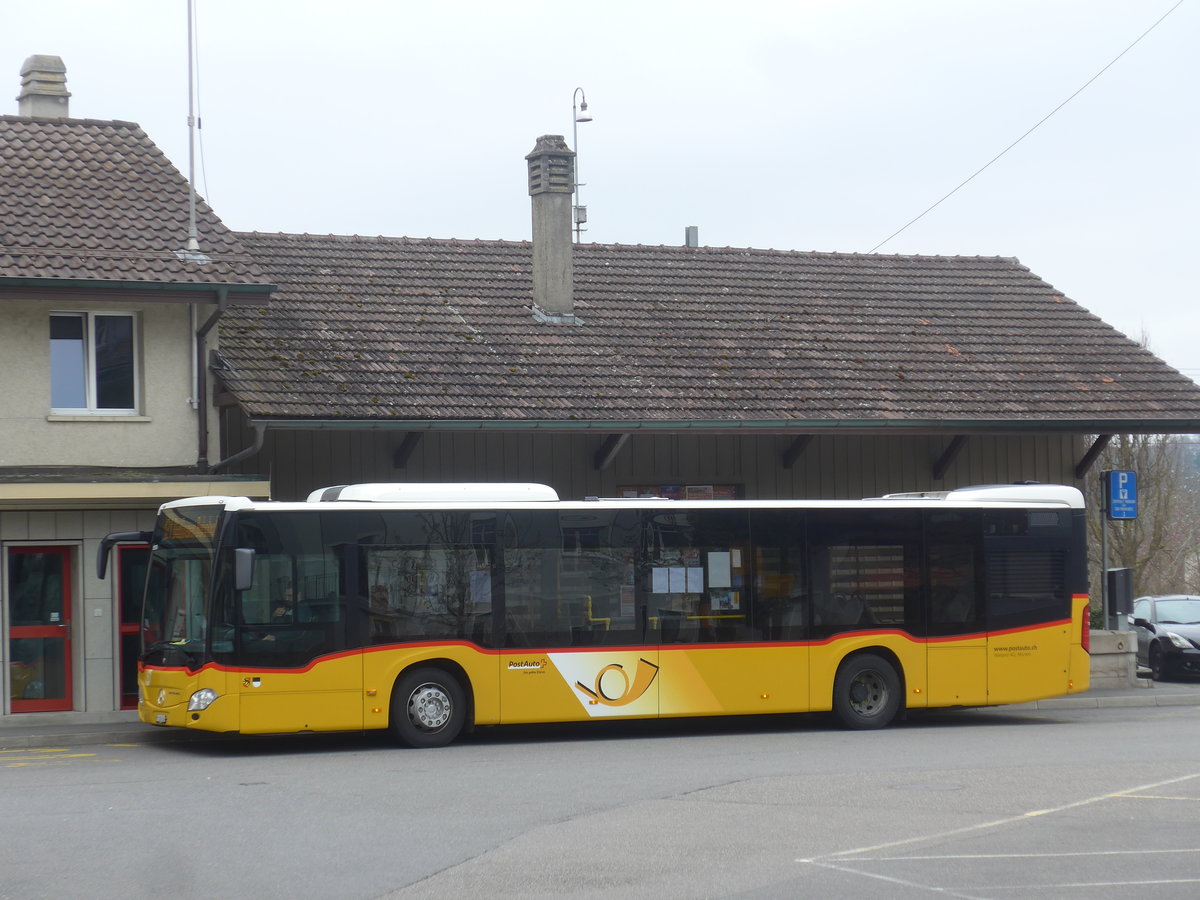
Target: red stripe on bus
<point>620,648</point>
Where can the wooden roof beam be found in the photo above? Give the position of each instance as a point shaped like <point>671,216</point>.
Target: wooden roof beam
<point>608,450</point>
<point>1093,453</point>
<point>402,453</point>
<point>795,450</point>
<point>946,460</point>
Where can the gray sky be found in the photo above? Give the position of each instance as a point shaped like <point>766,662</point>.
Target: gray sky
<point>802,125</point>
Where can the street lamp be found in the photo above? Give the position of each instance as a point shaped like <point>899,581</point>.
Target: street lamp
<point>578,114</point>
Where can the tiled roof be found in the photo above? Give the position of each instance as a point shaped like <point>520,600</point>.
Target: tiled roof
<point>85,199</point>
<point>371,328</point>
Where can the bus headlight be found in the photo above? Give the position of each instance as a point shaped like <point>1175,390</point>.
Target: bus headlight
<point>202,699</point>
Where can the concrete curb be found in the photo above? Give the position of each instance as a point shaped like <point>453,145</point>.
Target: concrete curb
<point>1121,700</point>
<point>66,737</point>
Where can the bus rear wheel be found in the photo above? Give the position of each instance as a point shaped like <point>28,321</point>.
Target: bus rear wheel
<point>429,708</point>
<point>866,692</point>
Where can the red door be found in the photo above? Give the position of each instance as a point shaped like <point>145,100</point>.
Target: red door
<point>131,581</point>
<point>39,628</point>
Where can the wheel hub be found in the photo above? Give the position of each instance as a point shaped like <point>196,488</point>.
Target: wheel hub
<point>868,694</point>
<point>429,707</point>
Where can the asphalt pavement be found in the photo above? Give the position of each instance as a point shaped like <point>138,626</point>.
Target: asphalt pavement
<point>29,733</point>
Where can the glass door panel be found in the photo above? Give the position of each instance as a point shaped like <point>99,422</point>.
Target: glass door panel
<point>39,636</point>
<point>132,560</point>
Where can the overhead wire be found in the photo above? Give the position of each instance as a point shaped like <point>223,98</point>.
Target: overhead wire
<point>1037,125</point>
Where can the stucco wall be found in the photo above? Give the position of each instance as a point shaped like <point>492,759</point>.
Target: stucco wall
<point>165,433</point>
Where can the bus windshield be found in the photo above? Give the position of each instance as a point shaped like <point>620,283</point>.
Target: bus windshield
<point>174,624</point>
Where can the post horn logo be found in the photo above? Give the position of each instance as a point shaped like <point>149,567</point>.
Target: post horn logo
<point>614,676</point>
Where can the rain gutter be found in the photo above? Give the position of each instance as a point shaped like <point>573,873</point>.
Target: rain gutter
<point>770,426</point>
<point>235,292</point>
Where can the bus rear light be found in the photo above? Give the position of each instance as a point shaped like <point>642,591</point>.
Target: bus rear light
<point>1085,638</point>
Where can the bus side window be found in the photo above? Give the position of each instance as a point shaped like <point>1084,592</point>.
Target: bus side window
<point>569,578</point>
<point>866,570</point>
<point>953,592</point>
<point>697,581</point>
<point>781,598</point>
<point>1027,554</point>
<point>437,591</point>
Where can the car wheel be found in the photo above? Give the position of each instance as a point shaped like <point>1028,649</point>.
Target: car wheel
<point>1158,663</point>
<point>866,692</point>
<point>429,708</point>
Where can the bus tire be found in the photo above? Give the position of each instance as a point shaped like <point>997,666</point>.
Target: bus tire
<point>429,708</point>
<point>866,692</point>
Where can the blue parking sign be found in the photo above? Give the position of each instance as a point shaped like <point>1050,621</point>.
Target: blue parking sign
<point>1122,494</point>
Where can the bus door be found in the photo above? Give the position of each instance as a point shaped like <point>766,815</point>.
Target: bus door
<point>574,642</point>
<point>1029,603</point>
<point>286,643</point>
<point>957,638</point>
<point>723,612</point>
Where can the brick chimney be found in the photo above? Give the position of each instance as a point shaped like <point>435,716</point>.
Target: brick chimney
<point>551,181</point>
<point>43,88</point>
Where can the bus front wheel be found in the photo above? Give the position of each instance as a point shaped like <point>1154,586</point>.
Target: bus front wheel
<point>429,708</point>
<point>866,692</point>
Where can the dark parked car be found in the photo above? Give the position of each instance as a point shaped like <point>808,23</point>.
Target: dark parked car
<point>1168,634</point>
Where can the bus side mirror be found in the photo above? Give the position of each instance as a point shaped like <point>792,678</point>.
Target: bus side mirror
<point>243,568</point>
<point>119,537</point>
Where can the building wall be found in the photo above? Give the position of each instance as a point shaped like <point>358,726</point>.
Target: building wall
<point>94,614</point>
<point>831,468</point>
<point>164,435</point>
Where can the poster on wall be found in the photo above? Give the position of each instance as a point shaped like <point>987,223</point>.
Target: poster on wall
<point>683,491</point>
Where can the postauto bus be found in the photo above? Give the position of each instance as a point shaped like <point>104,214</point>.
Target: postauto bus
<point>428,609</point>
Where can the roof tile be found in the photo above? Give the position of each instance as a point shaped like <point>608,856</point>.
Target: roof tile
<point>86,199</point>
<point>443,330</point>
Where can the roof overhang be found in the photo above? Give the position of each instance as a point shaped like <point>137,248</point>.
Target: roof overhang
<point>88,290</point>
<point>118,494</point>
<point>758,426</point>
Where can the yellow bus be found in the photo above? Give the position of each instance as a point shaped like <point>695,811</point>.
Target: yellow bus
<point>429,609</point>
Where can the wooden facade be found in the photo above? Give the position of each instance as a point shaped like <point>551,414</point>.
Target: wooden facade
<point>829,467</point>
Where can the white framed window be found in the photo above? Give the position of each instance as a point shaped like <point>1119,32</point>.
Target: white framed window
<point>94,363</point>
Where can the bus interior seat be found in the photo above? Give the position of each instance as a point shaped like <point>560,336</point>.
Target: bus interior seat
<point>588,635</point>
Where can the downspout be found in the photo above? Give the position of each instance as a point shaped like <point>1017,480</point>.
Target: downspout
<point>260,435</point>
<point>202,379</point>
